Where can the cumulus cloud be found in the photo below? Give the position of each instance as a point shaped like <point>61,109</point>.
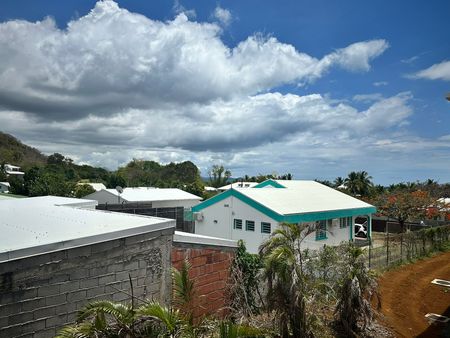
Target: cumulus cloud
<point>111,60</point>
<point>222,15</point>
<point>234,125</point>
<point>438,71</point>
<point>116,85</point>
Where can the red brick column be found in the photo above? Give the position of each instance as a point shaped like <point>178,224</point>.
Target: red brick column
<point>210,268</point>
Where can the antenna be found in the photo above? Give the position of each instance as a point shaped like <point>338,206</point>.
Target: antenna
<point>119,190</point>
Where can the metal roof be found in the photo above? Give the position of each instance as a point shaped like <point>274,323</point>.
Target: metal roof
<point>37,225</point>
<point>144,194</point>
<point>295,201</point>
<point>303,197</point>
<point>95,186</point>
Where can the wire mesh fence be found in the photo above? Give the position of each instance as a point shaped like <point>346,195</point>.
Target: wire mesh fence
<point>392,249</point>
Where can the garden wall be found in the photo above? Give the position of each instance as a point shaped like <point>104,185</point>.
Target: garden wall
<point>39,294</point>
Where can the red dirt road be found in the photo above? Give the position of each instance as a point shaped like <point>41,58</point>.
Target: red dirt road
<point>407,295</point>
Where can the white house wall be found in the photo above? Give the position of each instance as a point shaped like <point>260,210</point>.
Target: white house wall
<point>218,221</point>
<point>224,212</point>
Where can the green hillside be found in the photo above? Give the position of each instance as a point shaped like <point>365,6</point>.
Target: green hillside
<point>15,152</point>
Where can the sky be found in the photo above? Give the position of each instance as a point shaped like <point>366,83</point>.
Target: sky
<point>313,88</point>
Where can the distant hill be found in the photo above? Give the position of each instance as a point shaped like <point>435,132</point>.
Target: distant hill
<point>15,152</point>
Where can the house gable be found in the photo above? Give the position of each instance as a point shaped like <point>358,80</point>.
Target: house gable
<point>269,183</point>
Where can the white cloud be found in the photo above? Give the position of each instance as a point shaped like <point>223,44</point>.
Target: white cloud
<point>367,97</point>
<point>222,15</point>
<point>116,85</point>
<point>178,8</point>
<point>111,60</point>
<point>438,71</point>
<point>357,56</point>
<point>380,83</point>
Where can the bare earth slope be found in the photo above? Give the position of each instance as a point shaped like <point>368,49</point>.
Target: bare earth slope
<point>407,295</point>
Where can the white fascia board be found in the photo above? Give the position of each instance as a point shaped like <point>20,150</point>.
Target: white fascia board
<point>185,237</point>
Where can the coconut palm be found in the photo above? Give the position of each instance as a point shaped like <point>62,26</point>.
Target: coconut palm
<point>358,183</point>
<point>338,181</point>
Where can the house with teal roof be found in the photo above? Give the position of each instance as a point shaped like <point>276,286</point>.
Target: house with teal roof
<point>252,214</point>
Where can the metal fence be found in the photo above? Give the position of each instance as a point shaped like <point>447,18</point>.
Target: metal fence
<point>392,249</point>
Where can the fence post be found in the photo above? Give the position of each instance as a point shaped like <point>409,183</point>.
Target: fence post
<point>387,245</point>
<point>401,247</point>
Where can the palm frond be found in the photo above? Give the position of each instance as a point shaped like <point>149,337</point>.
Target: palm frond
<point>122,313</point>
<point>170,318</point>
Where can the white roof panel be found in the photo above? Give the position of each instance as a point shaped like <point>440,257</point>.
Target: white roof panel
<point>302,197</point>
<point>144,194</point>
<point>36,225</point>
<point>237,185</point>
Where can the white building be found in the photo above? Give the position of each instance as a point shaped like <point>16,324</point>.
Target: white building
<point>4,187</point>
<point>252,214</point>
<point>158,197</point>
<point>36,225</point>
<point>13,170</point>
<point>95,186</point>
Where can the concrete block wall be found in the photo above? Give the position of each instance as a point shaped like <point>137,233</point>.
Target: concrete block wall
<point>210,269</point>
<point>40,294</point>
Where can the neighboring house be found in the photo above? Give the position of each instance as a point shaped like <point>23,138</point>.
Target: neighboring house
<point>95,186</point>
<point>237,185</point>
<point>56,256</point>
<point>4,187</point>
<point>157,197</point>
<point>252,214</point>
<point>167,203</point>
<point>13,170</point>
<point>444,213</point>
<point>210,189</point>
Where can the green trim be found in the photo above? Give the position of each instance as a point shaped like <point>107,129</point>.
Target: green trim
<point>212,200</point>
<point>270,182</point>
<point>352,228</point>
<point>321,231</point>
<point>292,218</point>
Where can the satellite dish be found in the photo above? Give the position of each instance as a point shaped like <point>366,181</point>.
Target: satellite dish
<point>119,189</point>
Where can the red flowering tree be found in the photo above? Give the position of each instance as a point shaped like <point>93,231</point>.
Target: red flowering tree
<point>406,206</point>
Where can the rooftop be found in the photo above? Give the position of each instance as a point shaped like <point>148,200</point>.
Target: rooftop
<point>237,185</point>
<point>95,186</point>
<point>153,194</point>
<point>38,225</point>
<point>293,200</point>
<point>302,197</point>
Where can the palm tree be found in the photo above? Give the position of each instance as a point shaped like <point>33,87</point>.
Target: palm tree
<point>110,319</point>
<point>358,286</point>
<point>287,283</point>
<point>358,183</point>
<point>338,181</point>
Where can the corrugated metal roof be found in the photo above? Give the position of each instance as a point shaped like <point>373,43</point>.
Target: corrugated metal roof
<point>301,197</point>
<point>37,225</point>
<point>144,194</point>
